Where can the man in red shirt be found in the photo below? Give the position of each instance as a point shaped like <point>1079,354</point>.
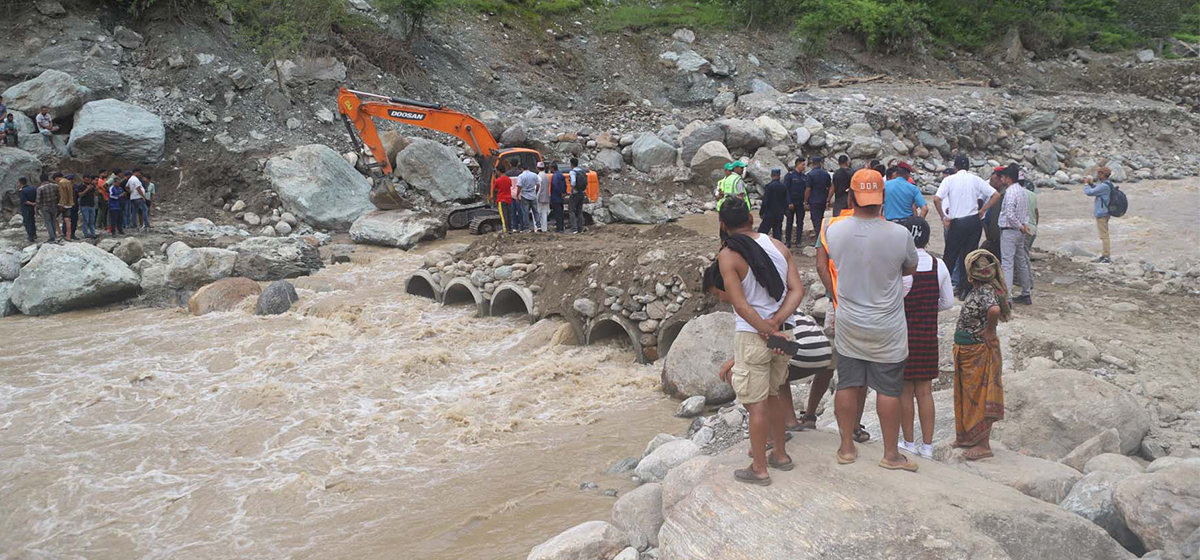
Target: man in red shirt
<point>502,194</point>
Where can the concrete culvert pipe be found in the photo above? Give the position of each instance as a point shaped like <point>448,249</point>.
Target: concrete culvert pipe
<point>512,298</point>
<point>666,337</point>
<point>461,291</point>
<point>609,327</point>
<point>421,284</point>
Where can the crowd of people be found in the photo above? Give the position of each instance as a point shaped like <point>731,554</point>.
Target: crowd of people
<point>886,291</point>
<point>68,202</point>
<point>528,200</point>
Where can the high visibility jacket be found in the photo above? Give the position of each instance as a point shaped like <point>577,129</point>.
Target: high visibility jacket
<point>732,185</point>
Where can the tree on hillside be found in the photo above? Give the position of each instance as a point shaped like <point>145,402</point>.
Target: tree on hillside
<point>414,13</point>
<point>1155,19</point>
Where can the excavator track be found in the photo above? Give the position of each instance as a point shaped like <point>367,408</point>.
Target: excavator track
<point>461,217</point>
<point>485,224</point>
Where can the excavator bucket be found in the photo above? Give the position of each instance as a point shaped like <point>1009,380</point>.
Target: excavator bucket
<point>383,195</point>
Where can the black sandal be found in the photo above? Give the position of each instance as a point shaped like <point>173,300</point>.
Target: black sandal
<point>861,435</point>
<point>747,476</point>
<point>789,465</point>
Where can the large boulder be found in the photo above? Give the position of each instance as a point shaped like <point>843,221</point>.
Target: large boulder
<point>318,186</point>
<point>222,295</point>
<point>1040,124</point>
<point>1046,158</point>
<point>861,512</point>
<point>6,305</point>
<point>14,164</point>
<point>1161,507</point>
<point>219,263</point>
<point>72,276</point>
<point>129,250</point>
<point>934,142</point>
<point>1048,413</point>
<point>709,161</point>
<point>276,299</point>
<point>1113,463</point>
<point>305,70</point>
<point>634,209</point>
<point>696,135</point>
<point>1038,478</point>
<point>393,142</point>
<point>649,151</point>
<point>742,136</point>
<point>1091,498</point>
<point>434,169</point>
<point>608,162</point>
<point>655,466</point>
<point>775,131</point>
<point>592,540</point>
<point>943,412</point>
<point>53,89</point>
<point>692,365</point>
<point>10,264</point>
<point>111,129</point>
<point>402,229</point>
<point>864,147</point>
<point>639,513</point>
<point>275,258</point>
<point>759,169</point>
<point>186,267</point>
<point>1108,441</point>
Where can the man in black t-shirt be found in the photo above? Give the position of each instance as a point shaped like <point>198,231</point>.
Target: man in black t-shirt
<point>819,193</point>
<point>841,184</point>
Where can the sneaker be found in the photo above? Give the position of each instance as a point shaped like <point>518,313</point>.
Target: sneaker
<point>908,446</point>
<point>1104,260</point>
<point>1023,300</point>
<point>925,450</point>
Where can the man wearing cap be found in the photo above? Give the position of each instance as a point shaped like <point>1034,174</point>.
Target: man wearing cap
<point>870,333</point>
<point>819,193</point>
<point>904,199</point>
<point>796,183</point>
<point>774,206</point>
<point>1014,228</point>
<point>732,185</point>
<point>957,203</point>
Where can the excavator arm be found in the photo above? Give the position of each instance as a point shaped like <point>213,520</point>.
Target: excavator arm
<point>359,109</point>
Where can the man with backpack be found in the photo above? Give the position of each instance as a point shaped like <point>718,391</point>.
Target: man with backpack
<point>579,184</point>
<point>1104,192</point>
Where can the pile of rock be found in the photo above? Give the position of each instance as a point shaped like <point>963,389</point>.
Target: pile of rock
<point>485,273</point>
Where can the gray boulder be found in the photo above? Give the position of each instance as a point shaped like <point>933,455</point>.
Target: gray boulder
<point>864,147</point>
<point>111,129</point>
<point>591,540</point>
<point>682,479</point>
<point>634,209</point>
<point>10,264</point>
<point>608,162</point>
<point>723,100</point>
<point>691,407</point>
<point>402,229</point>
<point>696,135</point>
<point>434,169</point>
<point>515,135</point>
<point>14,164</point>
<point>129,250</point>
<point>219,263</point>
<point>1091,498</point>
<point>275,258</point>
<point>1040,124</point>
<point>584,307</point>
<point>649,151</point>
<point>639,513</point>
<point>305,70</point>
<point>1046,158</point>
<point>709,162</point>
<point>670,134</point>
<point>690,368</point>
<point>1108,441</point>
<point>1113,463</point>
<point>934,142</point>
<point>1048,413</point>
<point>53,89</point>
<point>319,187</point>
<point>72,276</point>
<point>1161,507</point>
<point>742,136</point>
<point>186,267</point>
<point>1038,478</point>
<point>6,305</point>
<point>276,299</point>
<point>127,38</point>
<point>493,122</point>
<point>655,466</point>
<point>759,169</point>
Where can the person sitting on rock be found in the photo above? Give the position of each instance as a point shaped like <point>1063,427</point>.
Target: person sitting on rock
<point>10,131</point>
<point>978,391</point>
<point>763,286</point>
<point>46,126</point>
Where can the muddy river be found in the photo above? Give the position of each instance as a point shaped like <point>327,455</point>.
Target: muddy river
<point>366,423</point>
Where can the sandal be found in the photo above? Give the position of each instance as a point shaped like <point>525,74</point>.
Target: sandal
<point>861,435</point>
<point>808,423</point>
<point>747,476</point>
<point>968,455</point>
<point>910,466</point>
<point>771,445</point>
<point>844,461</point>
<point>786,466</point>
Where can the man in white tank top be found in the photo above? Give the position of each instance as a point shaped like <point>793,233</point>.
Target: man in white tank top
<point>758,371</point>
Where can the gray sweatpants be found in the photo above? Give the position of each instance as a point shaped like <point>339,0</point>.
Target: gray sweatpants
<point>1014,261</point>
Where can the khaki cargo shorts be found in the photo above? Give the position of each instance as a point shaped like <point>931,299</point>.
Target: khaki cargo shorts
<point>757,371</point>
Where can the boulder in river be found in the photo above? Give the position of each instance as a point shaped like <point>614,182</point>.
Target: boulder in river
<point>587,541</point>
<point>111,129</point>
<point>275,258</point>
<point>862,512</point>
<point>53,89</point>
<point>319,187</point>
<point>433,168</point>
<point>14,164</point>
<point>6,305</point>
<point>634,209</point>
<point>655,466</point>
<point>639,513</point>
<point>691,366</point>
<point>222,295</point>
<point>72,276</point>
<point>402,229</point>
<point>1050,412</point>
<point>276,299</point>
<point>1161,507</point>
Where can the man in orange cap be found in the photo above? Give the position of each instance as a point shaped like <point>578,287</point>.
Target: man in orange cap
<point>870,329</point>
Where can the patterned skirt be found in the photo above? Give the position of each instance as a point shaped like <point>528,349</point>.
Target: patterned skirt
<point>978,391</point>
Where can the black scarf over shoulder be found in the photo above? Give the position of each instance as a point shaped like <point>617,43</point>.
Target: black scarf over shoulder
<point>760,263</point>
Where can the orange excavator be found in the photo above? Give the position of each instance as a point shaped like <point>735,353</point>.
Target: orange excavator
<point>359,109</point>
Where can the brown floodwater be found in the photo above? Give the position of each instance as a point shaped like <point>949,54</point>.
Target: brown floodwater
<point>364,423</point>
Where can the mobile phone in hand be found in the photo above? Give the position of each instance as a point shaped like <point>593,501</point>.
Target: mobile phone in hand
<point>778,343</point>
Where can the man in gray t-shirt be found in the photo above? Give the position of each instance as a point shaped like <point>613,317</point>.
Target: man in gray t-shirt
<point>871,256</point>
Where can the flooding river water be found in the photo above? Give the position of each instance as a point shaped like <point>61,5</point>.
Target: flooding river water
<point>366,423</point>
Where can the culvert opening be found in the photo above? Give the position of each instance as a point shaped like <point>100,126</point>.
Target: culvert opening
<point>669,334</point>
<point>419,286</point>
<point>508,301</point>
<point>457,294</point>
<point>610,333</point>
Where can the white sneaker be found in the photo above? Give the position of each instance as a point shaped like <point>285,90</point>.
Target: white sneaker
<point>925,450</point>
<point>908,446</point>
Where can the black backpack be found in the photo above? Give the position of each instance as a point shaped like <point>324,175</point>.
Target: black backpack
<point>1118,203</point>
<point>580,182</point>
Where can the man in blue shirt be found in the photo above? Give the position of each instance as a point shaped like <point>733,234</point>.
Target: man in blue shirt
<point>796,184</point>
<point>819,193</point>
<point>902,199</point>
<point>558,193</point>
<point>1101,191</point>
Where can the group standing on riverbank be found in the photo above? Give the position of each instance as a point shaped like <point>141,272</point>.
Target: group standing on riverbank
<point>68,202</point>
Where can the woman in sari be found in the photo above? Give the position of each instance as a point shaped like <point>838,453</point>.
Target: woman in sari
<point>978,391</point>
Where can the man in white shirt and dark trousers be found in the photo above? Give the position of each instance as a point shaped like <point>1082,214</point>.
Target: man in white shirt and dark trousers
<point>957,202</point>
<point>137,202</point>
<point>1014,227</point>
